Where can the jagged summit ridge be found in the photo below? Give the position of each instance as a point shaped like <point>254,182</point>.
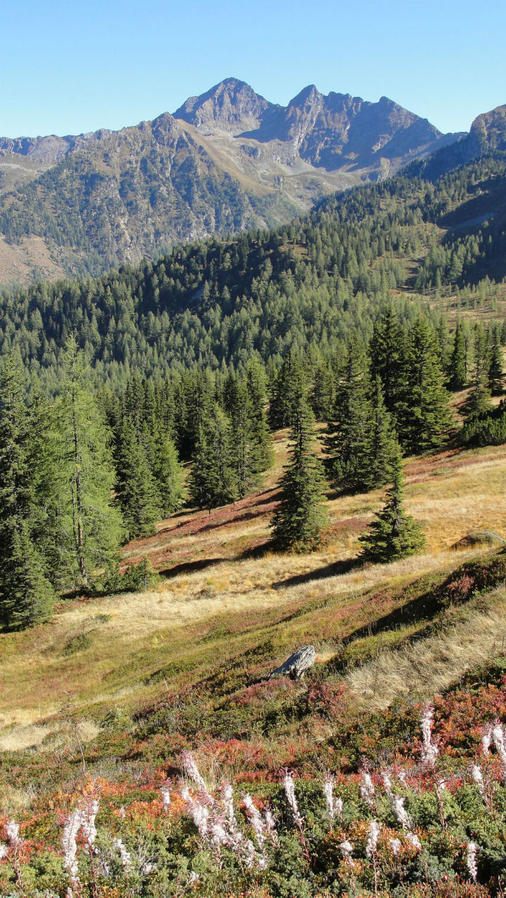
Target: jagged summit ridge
<point>328,131</point>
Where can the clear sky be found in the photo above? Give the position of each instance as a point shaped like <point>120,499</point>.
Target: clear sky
<point>69,66</point>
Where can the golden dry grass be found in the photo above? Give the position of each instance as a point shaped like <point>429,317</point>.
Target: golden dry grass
<point>133,635</point>
<point>431,665</point>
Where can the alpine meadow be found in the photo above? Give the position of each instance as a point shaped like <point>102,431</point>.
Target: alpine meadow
<point>253,504</point>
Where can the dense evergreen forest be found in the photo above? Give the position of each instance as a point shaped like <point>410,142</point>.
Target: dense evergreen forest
<point>311,283</point>
<point>109,386</point>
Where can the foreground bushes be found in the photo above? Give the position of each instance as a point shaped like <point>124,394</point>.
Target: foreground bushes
<point>423,827</point>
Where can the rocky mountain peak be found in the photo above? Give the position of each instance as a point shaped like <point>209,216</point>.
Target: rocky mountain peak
<point>232,105</point>
<point>488,130</point>
<point>308,96</point>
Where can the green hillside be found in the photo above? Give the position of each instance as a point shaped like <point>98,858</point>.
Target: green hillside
<point>407,241</point>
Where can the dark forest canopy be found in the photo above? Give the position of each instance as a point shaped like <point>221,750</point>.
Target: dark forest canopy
<point>311,283</point>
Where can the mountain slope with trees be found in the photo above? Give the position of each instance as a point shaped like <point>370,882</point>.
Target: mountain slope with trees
<point>407,241</point>
<point>224,162</point>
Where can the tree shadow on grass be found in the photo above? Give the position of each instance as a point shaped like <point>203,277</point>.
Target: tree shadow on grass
<point>189,567</point>
<point>330,570</point>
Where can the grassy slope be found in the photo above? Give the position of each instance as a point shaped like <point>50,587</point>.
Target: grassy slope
<point>225,601</point>
<point>107,695</point>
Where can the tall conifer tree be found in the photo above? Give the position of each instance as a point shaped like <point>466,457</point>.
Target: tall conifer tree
<point>286,387</point>
<point>383,446</point>
<point>423,416</point>
<point>458,363</point>
<point>25,593</point>
<point>91,526</point>
<point>213,480</point>
<point>348,437</point>
<point>256,385</point>
<point>495,368</point>
<point>300,516</point>
<point>386,355</point>
<point>135,488</point>
<point>167,472</point>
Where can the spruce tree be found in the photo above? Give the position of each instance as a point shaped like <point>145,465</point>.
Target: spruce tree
<point>393,534</point>
<point>45,465</point>
<point>348,438</point>
<point>256,386</point>
<point>288,382</point>
<point>386,356</point>
<point>423,416</point>
<point>300,516</point>
<point>135,488</point>
<point>322,391</point>
<point>198,479</point>
<point>458,363</point>
<point>250,434</point>
<point>25,593</point>
<point>213,480</point>
<point>383,450</point>
<point>495,368</point>
<point>478,401</point>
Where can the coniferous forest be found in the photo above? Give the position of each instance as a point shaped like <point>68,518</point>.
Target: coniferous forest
<point>353,356</point>
<point>111,386</point>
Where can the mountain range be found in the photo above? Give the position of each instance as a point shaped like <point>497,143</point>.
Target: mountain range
<point>225,161</point>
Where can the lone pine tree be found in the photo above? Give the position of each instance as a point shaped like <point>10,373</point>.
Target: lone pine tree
<point>393,534</point>
<point>300,516</point>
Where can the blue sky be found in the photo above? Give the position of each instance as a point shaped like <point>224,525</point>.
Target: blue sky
<point>75,66</point>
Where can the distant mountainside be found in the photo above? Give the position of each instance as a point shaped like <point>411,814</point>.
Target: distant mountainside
<point>226,161</point>
<point>487,136</point>
<point>308,285</point>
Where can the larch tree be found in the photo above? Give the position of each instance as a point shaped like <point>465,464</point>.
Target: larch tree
<point>92,527</point>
